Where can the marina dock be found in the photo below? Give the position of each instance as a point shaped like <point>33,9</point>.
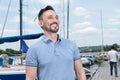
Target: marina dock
<point>103,73</point>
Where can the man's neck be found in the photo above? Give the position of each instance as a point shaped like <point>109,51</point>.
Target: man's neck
<point>52,36</point>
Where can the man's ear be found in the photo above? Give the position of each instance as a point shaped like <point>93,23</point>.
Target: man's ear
<point>40,23</point>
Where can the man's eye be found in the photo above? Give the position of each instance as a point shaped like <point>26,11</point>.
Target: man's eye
<point>50,17</point>
<point>57,17</point>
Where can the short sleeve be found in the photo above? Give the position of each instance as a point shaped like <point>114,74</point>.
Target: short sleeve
<point>31,58</point>
<point>76,52</point>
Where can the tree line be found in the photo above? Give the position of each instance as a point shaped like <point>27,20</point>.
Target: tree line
<point>99,48</point>
<point>12,52</point>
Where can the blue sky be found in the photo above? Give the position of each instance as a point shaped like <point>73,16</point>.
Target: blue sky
<point>85,20</point>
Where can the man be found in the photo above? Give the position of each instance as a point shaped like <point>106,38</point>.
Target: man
<point>53,58</point>
<point>112,59</point>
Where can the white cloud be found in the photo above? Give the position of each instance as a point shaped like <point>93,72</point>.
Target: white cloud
<point>25,19</point>
<point>3,8</point>
<point>111,36</point>
<point>86,36</point>
<point>15,19</point>
<point>84,27</point>
<point>111,33</point>
<point>33,11</point>
<point>27,31</point>
<point>10,32</point>
<point>86,23</point>
<point>11,9</point>
<point>89,30</point>
<point>49,2</point>
<point>114,21</point>
<point>117,10</point>
<point>0,26</point>
<point>84,33</point>
<point>82,12</point>
<point>28,20</point>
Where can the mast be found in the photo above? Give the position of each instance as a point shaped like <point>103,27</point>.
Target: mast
<point>102,39</point>
<point>68,19</point>
<point>101,31</point>
<point>21,28</point>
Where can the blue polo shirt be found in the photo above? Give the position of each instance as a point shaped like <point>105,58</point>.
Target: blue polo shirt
<point>54,61</point>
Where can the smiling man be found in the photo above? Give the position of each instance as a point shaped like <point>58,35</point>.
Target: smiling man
<point>52,57</point>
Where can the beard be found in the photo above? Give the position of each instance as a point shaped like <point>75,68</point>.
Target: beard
<point>53,28</point>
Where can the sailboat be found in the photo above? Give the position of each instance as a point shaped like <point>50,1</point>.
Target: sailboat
<point>102,52</point>
<point>16,72</point>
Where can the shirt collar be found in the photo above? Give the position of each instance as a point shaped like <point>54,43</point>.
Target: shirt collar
<point>47,40</point>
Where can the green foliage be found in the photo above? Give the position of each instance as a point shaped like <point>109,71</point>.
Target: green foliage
<point>1,52</point>
<point>10,52</point>
<point>98,48</point>
<point>13,51</point>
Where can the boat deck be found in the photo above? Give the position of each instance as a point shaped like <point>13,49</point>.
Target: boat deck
<point>12,70</point>
<point>103,73</point>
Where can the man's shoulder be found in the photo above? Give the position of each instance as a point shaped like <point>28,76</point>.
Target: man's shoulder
<point>109,52</point>
<point>37,42</point>
<point>112,51</point>
<point>67,40</point>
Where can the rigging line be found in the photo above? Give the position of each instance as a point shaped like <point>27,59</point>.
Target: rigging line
<point>6,18</point>
<point>64,18</point>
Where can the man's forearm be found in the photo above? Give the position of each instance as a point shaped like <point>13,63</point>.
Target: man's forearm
<point>31,73</point>
<point>81,75</point>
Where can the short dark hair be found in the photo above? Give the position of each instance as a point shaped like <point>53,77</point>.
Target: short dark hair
<point>112,47</point>
<point>43,10</point>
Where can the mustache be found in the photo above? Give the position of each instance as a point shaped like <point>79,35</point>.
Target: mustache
<point>54,23</point>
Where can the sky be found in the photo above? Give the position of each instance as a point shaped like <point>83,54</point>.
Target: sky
<point>88,20</point>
